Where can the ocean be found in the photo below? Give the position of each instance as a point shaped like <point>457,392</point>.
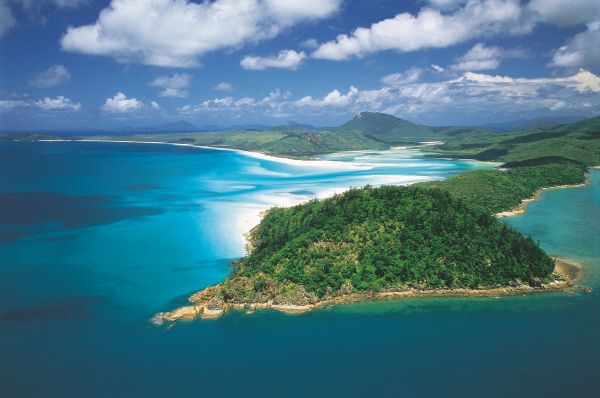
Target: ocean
<point>97,237</point>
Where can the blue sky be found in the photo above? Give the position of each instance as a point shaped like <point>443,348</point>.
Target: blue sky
<point>116,63</point>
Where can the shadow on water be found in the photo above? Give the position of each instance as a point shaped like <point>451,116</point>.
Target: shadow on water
<point>23,213</point>
<point>78,307</point>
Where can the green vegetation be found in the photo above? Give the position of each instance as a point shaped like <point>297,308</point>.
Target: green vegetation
<point>372,239</point>
<point>392,130</point>
<point>577,142</point>
<point>438,234</point>
<point>367,131</point>
<point>494,191</point>
<point>288,144</point>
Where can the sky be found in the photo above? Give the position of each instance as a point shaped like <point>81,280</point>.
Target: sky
<point>87,64</point>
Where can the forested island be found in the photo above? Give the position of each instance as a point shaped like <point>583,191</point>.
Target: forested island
<point>434,238</point>
<point>374,243</point>
<point>439,238</point>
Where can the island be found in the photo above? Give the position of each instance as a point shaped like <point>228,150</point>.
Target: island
<point>439,238</point>
<point>429,239</point>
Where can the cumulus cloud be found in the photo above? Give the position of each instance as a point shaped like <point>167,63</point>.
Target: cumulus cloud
<point>430,28</point>
<point>174,85</point>
<point>480,57</point>
<point>223,86</point>
<point>53,76</point>
<point>176,33</point>
<point>286,59</point>
<point>335,98</point>
<point>472,95</point>
<point>59,103</point>
<point>274,105</point>
<point>437,68</point>
<point>583,50</point>
<point>443,23</point>
<point>121,104</point>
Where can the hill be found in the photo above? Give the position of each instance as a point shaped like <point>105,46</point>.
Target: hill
<point>385,128</point>
<point>541,123</point>
<point>367,131</point>
<point>393,130</point>
<point>369,243</point>
<point>577,142</point>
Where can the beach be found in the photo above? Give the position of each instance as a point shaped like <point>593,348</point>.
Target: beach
<point>520,210</point>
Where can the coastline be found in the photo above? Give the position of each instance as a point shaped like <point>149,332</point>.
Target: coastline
<point>252,215</point>
<point>333,164</point>
<point>567,274</point>
<point>522,207</point>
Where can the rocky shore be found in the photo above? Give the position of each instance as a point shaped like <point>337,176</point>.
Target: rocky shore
<point>214,301</point>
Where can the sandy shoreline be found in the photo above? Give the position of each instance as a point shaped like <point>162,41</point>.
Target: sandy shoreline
<point>520,210</point>
<point>567,273</point>
<point>330,164</point>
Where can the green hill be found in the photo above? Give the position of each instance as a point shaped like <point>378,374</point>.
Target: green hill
<point>392,130</point>
<point>370,240</point>
<point>577,142</point>
<point>385,128</point>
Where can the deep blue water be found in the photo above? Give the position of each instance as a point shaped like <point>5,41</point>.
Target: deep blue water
<point>96,237</point>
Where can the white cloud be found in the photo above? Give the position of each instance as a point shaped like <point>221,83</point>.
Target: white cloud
<point>397,79</point>
<point>59,103</point>
<point>154,105</point>
<point>565,12</point>
<point>176,33</point>
<point>6,105</point>
<point>472,95</point>
<point>334,98</point>
<point>430,28</point>
<point>437,68</point>
<point>272,104</point>
<point>174,85</point>
<point>223,86</point>
<point>121,104</point>
<point>53,76</point>
<point>286,59</point>
<point>7,19</point>
<point>480,57</point>
<point>583,50</point>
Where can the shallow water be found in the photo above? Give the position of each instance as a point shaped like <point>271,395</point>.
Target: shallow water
<point>96,237</point>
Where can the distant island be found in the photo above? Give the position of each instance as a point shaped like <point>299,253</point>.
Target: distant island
<point>439,238</point>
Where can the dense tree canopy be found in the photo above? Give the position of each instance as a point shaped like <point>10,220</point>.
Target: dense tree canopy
<point>376,238</point>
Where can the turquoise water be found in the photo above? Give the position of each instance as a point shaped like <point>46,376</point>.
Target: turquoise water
<point>96,237</point>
